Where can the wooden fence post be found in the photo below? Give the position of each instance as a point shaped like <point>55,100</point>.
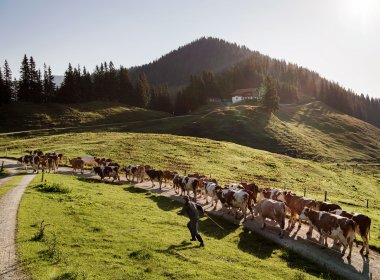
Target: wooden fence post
<point>325,195</point>
<point>367,203</point>
<point>241,179</point>
<point>304,192</point>
<point>2,167</point>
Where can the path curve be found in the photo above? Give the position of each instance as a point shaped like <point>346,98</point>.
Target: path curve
<point>357,268</point>
<point>9,204</point>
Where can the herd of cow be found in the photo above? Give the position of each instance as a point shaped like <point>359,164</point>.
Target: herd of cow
<point>328,219</point>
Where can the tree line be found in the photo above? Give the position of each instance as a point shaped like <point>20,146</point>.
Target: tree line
<point>105,83</point>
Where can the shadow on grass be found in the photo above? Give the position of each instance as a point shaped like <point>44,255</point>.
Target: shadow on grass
<point>165,203</point>
<point>94,180</point>
<point>135,190</point>
<point>295,260</point>
<point>209,228</point>
<point>253,244</point>
<point>184,245</point>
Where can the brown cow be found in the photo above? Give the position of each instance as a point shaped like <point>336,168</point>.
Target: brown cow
<point>177,182</point>
<point>107,171</point>
<point>253,188</point>
<point>363,226</point>
<point>296,204</point>
<point>27,159</point>
<point>327,206</point>
<point>235,199</point>
<point>274,210</point>
<point>35,163</point>
<point>190,184</point>
<point>155,175</point>
<point>77,163</point>
<point>168,175</point>
<point>333,226</point>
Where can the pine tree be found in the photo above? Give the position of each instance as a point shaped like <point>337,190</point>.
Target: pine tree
<point>125,89</point>
<point>86,85</point>
<point>142,91</point>
<point>8,86</point>
<point>67,89</point>
<point>2,87</point>
<point>271,99</point>
<point>24,82</point>
<point>35,82</point>
<point>48,85</point>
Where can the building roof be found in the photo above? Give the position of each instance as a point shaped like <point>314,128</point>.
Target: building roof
<point>245,92</point>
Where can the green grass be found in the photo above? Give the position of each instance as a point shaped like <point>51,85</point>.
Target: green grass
<point>10,184</point>
<point>310,131</point>
<point>225,161</point>
<point>26,116</point>
<point>106,231</point>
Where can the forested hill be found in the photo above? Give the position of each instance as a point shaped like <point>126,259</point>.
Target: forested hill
<point>204,54</point>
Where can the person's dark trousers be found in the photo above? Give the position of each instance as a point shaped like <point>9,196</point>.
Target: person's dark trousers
<point>193,228</point>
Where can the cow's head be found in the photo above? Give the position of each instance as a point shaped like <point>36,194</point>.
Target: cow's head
<point>305,214</point>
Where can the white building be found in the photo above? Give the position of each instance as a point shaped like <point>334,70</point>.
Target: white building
<point>245,94</point>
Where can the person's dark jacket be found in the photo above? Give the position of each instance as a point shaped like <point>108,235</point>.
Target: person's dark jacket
<point>192,210</point>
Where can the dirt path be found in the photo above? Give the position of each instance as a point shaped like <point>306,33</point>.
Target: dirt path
<point>357,268</point>
<point>8,227</point>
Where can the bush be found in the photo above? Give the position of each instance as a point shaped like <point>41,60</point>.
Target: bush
<point>52,188</point>
<point>52,252</point>
<point>40,233</point>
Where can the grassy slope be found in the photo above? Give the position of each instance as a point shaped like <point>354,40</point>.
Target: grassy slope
<point>310,131</point>
<point>224,161</point>
<point>105,231</point>
<point>25,116</point>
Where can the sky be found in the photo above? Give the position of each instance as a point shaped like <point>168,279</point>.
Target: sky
<point>339,39</point>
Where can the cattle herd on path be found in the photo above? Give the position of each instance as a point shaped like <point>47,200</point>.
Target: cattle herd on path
<point>328,219</point>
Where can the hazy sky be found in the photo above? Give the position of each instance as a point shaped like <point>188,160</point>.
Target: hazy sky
<point>340,39</point>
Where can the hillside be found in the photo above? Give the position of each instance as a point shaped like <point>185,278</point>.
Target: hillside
<point>204,54</point>
<point>312,131</point>
<point>25,116</point>
<point>225,161</point>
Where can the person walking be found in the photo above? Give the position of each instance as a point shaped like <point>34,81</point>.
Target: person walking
<point>193,211</point>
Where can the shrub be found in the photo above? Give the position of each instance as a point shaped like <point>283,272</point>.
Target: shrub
<point>52,188</point>
<point>40,233</point>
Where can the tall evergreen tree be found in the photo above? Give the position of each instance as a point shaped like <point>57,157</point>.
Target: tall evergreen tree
<point>8,86</point>
<point>35,82</point>
<point>24,82</point>
<point>271,99</point>
<point>48,85</point>
<point>2,87</point>
<point>142,91</point>
<point>125,90</point>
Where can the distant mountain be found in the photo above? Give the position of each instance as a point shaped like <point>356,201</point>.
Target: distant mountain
<point>204,54</point>
<point>237,67</point>
<point>58,80</point>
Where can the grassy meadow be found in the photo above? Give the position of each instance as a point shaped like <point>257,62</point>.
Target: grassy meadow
<point>110,231</point>
<point>225,161</point>
<point>39,116</point>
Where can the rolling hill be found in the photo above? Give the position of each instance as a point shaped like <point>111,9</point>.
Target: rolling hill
<point>26,116</point>
<point>312,131</point>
